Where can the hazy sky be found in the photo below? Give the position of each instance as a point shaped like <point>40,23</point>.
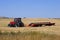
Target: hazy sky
<point>30,8</point>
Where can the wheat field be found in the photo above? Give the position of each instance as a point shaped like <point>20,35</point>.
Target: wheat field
<point>45,30</point>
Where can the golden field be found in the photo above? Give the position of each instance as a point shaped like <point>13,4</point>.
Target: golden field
<point>43,33</point>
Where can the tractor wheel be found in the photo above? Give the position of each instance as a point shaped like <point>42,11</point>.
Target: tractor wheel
<point>16,26</point>
<point>19,25</point>
<point>8,24</point>
<point>40,25</point>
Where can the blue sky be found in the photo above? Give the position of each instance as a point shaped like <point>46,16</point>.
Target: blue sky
<point>30,8</point>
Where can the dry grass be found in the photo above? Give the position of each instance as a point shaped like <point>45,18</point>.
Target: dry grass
<point>44,31</point>
<point>28,36</point>
<point>4,22</point>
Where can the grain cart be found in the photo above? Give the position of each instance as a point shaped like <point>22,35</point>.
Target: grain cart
<point>16,23</point>
<point>41,24</point>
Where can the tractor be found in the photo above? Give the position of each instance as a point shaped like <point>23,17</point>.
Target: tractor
<point>16,23</point>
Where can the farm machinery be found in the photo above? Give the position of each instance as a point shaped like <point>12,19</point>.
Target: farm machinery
<point>18,23</point>
<point>41,24</point>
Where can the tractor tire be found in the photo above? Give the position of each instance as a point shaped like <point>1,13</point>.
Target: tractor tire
<point>15,25</point>
<point>19,25</point>
<point>9,25</point>
<point>40,25</point>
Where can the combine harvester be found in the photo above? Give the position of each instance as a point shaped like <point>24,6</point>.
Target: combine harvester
<point>18,23</point>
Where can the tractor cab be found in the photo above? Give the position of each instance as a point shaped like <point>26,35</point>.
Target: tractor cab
<point>16,23</point>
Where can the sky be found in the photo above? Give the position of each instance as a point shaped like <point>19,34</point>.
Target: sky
<point>30,8</point>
